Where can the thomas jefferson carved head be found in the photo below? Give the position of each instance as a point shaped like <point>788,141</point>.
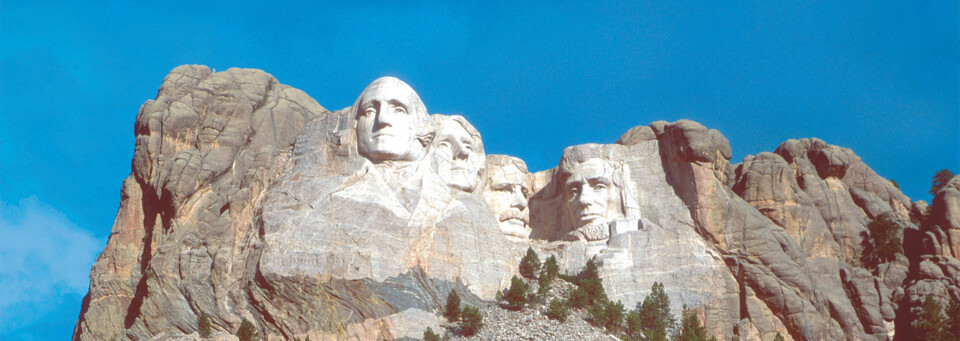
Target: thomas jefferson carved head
<point>507,191</point>
<point>392,122</point>
<point>458,153</point>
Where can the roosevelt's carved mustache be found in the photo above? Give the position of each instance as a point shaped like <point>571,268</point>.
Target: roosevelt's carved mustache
<point>513,214</point>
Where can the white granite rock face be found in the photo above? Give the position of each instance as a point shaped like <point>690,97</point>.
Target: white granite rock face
<point>249,200</point>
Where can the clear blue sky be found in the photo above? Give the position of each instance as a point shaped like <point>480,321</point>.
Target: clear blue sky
<point>879,77</point>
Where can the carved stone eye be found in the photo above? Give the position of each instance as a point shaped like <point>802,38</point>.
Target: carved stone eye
<point>399,110</point>
<point>369,112</point>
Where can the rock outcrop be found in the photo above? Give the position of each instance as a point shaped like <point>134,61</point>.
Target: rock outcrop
<point>247,199</point>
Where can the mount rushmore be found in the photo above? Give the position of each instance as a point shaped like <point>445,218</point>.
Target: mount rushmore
<point>249,200</point>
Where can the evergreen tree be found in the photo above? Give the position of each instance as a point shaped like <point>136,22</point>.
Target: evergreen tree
<point>429,335</point>
<point>779,337</point>
<point>516,295</point>
<point>470,320</point>
<point>951,328</point>
<point>550,268</point>
<point>929,323</point>
<point>247,331</point>
<point>690,327</point>
<point>606,314</point>
<point>882,244</point>
<point>530,264</point>
<point>634,329</point>
<point>543,286</point>
<point>589,289</point>
<point>654,314</point>
<point>940,180</point>
<point>452,309</point>
<point>203,325</point>
<point>556,310</point>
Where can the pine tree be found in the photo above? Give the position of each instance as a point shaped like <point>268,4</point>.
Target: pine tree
<point>690,327</point>
<point>203,325</point>
<point>550,268</point>
<point>452,309</point>
<point>516,295</point>
<point>247,331</point>
<point>634,327</point>
<point>654,314</point>
<point>590,289</point>
<point>882,244</point>
<point>606,314</point>
<point>951,328</point>
<point>470,320</point>
<point>929,323</point>
<point>429,335</point>
<point>530,264</point>
<point>940,180</point>
<point>557,310</point>
<point>779,337</point>
<point>543,286</point>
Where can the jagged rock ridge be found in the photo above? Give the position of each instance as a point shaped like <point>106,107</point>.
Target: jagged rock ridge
<point>247,199</point>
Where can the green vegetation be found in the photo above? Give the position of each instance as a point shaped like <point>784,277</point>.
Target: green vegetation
<point>651,320</point>
<point>452,309</point>
<point>930,321</point>
<point>691,329</point>
<point>543,286</point>
<point>429,335</point>
<point>550,268</point>
<point>940,180</point>
<point>516,296</point>
<point>557,310</point>
<point>204,326</point>
<point>589,287</point>
<point>951,329</point>
<point>530,264</point>
<point>607,314</point>
<point>247,331</point>
<point>779,337</point>
<point>882,244</point>
<point>470,320</point>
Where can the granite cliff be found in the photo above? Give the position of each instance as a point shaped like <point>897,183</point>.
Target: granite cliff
<point>247,199</point>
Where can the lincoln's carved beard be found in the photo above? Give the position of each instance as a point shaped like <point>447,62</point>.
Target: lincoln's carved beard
<point>598,230</point>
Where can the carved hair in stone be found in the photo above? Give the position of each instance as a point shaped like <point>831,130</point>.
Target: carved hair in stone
<point>592,182</point>
<point>507,191</point>
<point>458,153</point>
<point>392,122</point>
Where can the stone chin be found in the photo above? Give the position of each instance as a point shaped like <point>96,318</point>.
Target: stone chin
<point>460,179</point>
<point>595,231</point>
<point>515,228</point>
<point>389,147</point>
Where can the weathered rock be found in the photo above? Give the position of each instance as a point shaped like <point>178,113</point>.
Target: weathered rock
<point>184,239</point>
<point>945,213</point>
<point>247,199</point>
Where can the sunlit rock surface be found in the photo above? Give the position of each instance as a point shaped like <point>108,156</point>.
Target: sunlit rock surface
<point>247,199</point>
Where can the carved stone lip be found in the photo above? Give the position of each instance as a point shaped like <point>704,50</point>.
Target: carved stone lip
<point>590,216</point>
<point>517,221</point>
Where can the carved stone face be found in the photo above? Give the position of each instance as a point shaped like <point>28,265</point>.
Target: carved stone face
<point>507,194</point>
<point>458,155</point>
<point>389,118</point>
<point>589,191</point>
